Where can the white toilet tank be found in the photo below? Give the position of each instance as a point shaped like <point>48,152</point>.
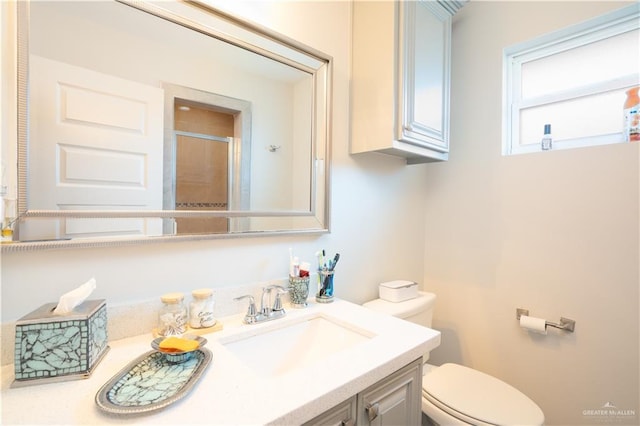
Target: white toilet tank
<point>418,310</point>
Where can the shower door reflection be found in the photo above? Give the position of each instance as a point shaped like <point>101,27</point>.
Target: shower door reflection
<point>204,145</point>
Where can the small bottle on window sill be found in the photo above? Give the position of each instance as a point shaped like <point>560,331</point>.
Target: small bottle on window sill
<point>632,115</point>
<point>547,141</point>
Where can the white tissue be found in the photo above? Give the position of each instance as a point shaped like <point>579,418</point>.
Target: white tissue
<point>537,325</point>
<point>70,300</point>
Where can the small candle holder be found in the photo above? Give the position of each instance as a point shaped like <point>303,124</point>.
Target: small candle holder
<point>298,291</point>
<point>325,286</point>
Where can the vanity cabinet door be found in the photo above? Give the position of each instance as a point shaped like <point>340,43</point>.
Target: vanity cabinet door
<point>396,400</point>
<point>401,78</point>
<point>343,414</point>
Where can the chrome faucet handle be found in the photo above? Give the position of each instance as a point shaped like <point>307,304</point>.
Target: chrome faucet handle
<point>277,304</point>
<point>252,314</point>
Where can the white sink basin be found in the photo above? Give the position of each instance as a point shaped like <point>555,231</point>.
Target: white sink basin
<point>295,345</point>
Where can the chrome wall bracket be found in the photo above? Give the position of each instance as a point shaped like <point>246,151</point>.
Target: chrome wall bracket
<point>564,324</point>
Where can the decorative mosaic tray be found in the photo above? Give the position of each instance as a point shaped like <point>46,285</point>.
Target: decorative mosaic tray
<point>152,382</point>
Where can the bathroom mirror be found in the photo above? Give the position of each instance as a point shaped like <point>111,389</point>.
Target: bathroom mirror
<point>169,120</point>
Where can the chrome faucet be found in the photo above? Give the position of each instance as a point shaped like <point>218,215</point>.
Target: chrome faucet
<point>265,309</point>
<point>267,312</point>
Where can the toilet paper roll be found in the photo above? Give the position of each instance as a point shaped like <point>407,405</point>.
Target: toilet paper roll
<point>537,325</point>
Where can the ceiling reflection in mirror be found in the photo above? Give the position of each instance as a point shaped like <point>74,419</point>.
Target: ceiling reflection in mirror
<point>142,122</point>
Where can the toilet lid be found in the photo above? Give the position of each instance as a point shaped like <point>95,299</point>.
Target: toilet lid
<point>462,390</point>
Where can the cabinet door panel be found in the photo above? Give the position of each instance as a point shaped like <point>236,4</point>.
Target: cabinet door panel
<point>428,70</point>
<point>395,400</point>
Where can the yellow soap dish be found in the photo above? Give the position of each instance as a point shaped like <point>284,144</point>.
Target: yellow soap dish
<point>157,344</point>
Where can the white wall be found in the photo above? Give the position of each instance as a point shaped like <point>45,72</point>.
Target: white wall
<point>555,232</point>
<point>376,205</point>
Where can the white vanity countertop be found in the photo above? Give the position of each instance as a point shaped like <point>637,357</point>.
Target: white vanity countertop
<point>230,393</point>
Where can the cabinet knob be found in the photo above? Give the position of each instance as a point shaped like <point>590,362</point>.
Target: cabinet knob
<point>372,410</point>
<point>348,422</point>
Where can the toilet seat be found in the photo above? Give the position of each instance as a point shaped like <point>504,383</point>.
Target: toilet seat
<point>477,398</point>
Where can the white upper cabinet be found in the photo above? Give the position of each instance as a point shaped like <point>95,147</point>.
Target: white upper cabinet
<point>400,78</point>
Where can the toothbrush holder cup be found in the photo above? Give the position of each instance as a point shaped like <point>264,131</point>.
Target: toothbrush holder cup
<point>298,291</point>
<point>325,286</point>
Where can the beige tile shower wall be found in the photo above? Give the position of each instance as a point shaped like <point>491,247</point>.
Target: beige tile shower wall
<point>554,232</point>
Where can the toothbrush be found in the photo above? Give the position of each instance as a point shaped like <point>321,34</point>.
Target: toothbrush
<point>332,264</point>
<point>323,288</point>
<point>331,267</point>
<point>320,259</point>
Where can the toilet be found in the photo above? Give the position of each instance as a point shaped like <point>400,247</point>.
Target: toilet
<point>456,395</point>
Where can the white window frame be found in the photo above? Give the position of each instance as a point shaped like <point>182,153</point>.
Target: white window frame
<point>608,25</point>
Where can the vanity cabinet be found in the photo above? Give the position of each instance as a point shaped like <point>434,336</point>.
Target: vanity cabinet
<point>401,78</point>
<point>394,400</point>
<point>343,414</point>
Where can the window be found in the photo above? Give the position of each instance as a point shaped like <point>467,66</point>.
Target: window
<point>574,79</point>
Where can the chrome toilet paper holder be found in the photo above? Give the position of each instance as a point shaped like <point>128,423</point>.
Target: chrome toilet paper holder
<point>564,324</point>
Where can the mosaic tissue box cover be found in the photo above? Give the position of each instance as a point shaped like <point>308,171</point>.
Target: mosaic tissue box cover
<point>60,347</point>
